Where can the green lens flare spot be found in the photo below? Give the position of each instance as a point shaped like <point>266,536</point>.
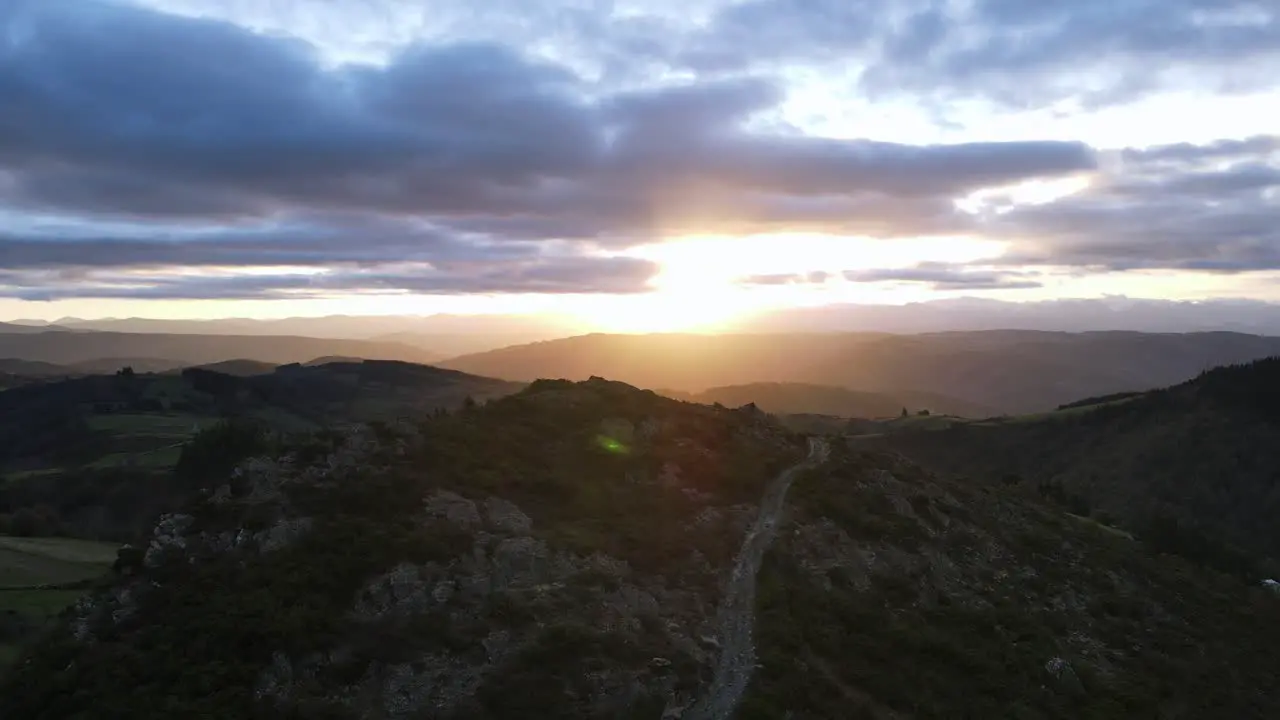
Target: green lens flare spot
<point>612,445</point>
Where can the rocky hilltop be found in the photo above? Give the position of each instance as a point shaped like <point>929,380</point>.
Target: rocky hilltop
<point>589,550</point>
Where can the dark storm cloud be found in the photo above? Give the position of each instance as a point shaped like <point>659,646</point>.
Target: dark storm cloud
<point>110,108</point>
<point>941,276</point>
<point>542,275</point>
<point>1171,207</point>
<point>306,241</point>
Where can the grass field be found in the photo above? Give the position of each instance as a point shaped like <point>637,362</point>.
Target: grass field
<point>28,562</point>
<point>176,426</point>
<point>162,457</point>
<point>43,561</point>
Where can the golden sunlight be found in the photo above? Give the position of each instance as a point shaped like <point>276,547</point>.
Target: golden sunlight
<point>705,282</point>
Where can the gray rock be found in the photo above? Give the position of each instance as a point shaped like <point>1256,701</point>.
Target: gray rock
<point>283,533</point>
<point>1064,676</point>
<point>167,535</point>
<point>520,563</point>
<point>507,517</point>
<point>401,591</point>
<point>452,507</point>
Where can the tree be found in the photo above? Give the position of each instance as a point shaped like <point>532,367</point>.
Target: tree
<point>215,451</point>
<point>904,412</point>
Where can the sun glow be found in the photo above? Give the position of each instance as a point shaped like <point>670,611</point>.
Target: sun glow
<point>708,282</point>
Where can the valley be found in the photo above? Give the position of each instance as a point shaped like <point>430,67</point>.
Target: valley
<point>711,554</point>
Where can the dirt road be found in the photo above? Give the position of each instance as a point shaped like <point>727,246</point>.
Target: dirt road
<point>736,616</point>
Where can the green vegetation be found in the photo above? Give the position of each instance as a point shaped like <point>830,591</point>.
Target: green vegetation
<point>810,399</point>
<point>620,526</point>
<point>38,579</point>
<point>95,456</point>
<point>1189,470</point>
<point>559,551</point>
<point>895,594</point>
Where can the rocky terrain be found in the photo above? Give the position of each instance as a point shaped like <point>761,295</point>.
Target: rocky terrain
<point>417,572</point>
<point>895,593</point>
<point>590,550</point>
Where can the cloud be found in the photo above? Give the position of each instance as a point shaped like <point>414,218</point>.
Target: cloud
<point>302,241</point>
<point>1213,207</point>
<point>216,121</point>
<point>572,275</point>
<point>162,141</point>
<point>816,277</point>
<point>1012,52</point>
<point>941,276</point>
<point>1095,51</point>
<point>488,160</point>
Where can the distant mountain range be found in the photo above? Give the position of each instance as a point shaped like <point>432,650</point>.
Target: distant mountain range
<point>443,335</point>
<point>978,372</point>
<point>1008,371</point>
<point>166,351</point>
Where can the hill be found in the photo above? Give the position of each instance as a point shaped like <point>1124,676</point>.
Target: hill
<point>32,368</point>
<point>438,336</point>
<point>243,368</point>
<point>591,550</point>
<point>95,455</point>
<point>23,329</point>
<point>1191,467</point>
<point>805,399</point>
<point>1008,371</point>
<point>178,350</point>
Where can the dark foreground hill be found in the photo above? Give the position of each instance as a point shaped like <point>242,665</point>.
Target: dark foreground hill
<point>592,551</point>
<point>1192,468</point>
<point>1009,371</point>
<point>96,455</point>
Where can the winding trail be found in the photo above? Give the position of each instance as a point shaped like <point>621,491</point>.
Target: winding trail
<point>736,615</point>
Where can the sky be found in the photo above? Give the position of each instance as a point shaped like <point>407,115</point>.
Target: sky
<point>642,165</point>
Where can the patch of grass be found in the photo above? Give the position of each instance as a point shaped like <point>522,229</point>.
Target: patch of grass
<point>46,561</point>
<point>43,604</point>
<point>176,426</point>
<point>29,610</point>
<point>36,473</point>
<point>160,457</point>
<point>68,549</point>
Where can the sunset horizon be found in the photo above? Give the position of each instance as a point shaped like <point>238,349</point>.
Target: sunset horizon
<point>630,167</point>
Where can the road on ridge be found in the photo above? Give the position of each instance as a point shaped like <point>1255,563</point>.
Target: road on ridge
<point>736,615</point>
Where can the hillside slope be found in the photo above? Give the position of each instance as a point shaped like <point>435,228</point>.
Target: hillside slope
<point>94,455</point>
<point>1194,463</point>
<point>893,593</point>
<point>577,551</point>
<point>64,348</point>
<point>1008,371</point>
<point>805,398</point>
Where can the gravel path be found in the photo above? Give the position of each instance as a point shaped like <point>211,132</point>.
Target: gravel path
<point>736,616</point>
